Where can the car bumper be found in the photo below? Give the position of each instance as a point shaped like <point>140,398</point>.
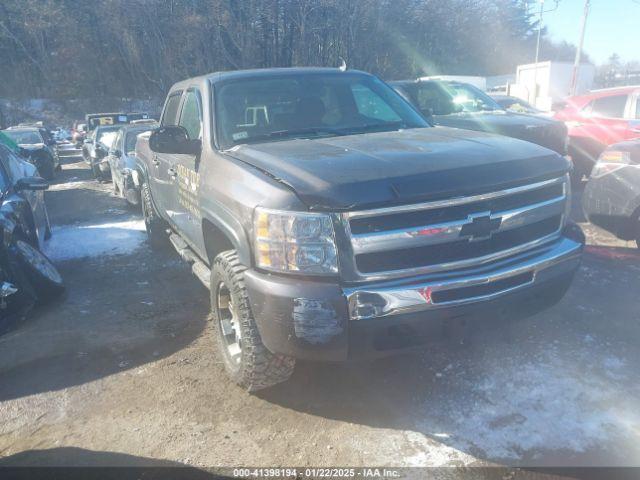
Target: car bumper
<point>104,166</point>
<point>325,321</point>
<point>129,189</point>
<point>612,201</point>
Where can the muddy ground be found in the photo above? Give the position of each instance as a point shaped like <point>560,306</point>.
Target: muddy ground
<point>124,371</point>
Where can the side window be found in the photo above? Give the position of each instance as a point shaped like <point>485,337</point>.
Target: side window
<point>371,105</point>
<point>169,116</point>
<point>611,107</point>
<point>191,116</point>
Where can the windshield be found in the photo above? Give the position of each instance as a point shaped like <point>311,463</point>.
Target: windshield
<point>518,106</point>
<point>106,137</point>
<point>308,105</point>
<point>439,98</point>
<point>29,137</point>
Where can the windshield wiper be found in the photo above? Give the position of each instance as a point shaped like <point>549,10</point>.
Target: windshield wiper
<point>305,131</point>
<point>298,132</point>
<point>372,127</point>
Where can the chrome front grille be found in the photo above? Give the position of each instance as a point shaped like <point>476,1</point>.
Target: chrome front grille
<point>455,233</point>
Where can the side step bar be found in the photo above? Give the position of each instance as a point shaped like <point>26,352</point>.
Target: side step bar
<point>199,269</point>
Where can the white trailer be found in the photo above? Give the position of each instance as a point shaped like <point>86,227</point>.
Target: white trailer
<point>545,83</point>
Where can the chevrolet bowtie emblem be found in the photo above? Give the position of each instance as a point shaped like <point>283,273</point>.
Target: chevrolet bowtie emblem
<point>480,227</point>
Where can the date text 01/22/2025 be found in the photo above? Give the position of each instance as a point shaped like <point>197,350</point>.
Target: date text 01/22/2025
<point>310,472</point>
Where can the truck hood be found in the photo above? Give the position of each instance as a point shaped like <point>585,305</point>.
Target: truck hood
<point>544,131</point>
<point>375,169</point>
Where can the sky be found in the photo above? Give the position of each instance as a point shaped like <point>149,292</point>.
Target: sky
<point>612,26</point>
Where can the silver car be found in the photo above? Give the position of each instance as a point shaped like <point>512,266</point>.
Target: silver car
<point>122,162</point>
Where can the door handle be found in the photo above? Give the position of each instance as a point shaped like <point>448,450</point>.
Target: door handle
<point>172,172</point>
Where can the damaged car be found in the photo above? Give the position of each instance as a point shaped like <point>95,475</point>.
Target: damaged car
<point>611,198</point>
<point>96,148</point>
<point>330,221</point>
<point>27,276</point>
<point>125,171</point>
<point>39,149</point>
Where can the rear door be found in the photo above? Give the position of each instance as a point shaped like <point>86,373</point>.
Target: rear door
<point>160,182</point>
<point>184,172</point>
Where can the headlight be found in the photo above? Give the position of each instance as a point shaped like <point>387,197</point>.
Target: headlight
<point>295,242</point>
<point>610,161</point>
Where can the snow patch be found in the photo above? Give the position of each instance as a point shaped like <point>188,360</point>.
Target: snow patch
<point>81,241</point>
<point>72,185</point>
<point>429,453</point>
<point>510,409</point>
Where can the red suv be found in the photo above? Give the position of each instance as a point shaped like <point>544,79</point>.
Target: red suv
<point>598,119</point>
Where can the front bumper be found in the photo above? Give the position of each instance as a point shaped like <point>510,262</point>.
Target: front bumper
<point>612,201</point>
<point>129,188</point>
<point>104,166</point>
<point>325,321</point>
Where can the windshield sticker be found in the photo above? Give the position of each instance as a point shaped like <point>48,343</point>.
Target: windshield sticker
<point>240,135</point>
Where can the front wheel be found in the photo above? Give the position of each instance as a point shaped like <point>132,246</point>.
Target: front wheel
<point>154,225</point>
<point>41,274</point>
<point>246,359</point>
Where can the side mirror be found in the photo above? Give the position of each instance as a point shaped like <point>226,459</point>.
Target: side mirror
<point>174,139</point>
<point>31,183</point>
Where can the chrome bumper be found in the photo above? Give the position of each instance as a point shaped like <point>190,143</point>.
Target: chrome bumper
<point>527,269</point>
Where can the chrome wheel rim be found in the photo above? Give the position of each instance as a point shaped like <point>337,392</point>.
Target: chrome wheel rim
<point>38,261</point>
<point>229,324</point>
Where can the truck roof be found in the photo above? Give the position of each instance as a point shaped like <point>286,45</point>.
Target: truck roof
<point>215,77</point>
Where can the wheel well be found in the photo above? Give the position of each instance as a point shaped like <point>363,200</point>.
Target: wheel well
<point>215,240</point>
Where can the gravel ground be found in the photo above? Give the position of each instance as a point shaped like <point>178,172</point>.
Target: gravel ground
<point>122,372</point>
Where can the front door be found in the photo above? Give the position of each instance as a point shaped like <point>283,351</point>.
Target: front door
<point>161,182</point>
<point>185,173</point>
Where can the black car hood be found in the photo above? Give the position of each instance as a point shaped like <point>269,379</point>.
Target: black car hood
<point>543,131</point>
<point>374,169</point>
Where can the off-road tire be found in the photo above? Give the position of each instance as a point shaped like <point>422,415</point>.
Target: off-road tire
<point>155,226</point>
<point>258,367</point>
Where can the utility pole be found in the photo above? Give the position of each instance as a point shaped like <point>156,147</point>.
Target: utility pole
<point>539,32</point>
<point>576,63</point>
<point>535,68</point>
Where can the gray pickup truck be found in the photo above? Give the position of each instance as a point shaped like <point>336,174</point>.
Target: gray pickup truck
<point>330,221</point>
